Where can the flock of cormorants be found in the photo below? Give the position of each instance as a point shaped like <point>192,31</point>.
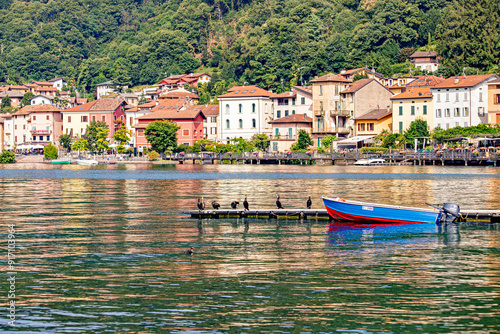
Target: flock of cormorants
<point>234,204</point>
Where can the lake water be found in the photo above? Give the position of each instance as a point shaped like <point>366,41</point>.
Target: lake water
<point>101,250</point>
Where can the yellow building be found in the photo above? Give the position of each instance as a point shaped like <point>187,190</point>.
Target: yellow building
<point>374,122</point>
<point>494,102</point>
<point>412,104</point>
<point>75,121</point>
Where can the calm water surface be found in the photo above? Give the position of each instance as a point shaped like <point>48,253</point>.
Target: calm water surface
<point>101,250</point>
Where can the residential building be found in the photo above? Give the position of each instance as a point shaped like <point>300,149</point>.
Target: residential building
<point>17,126</point>
<point>211,126</point>
<point>462,100</point>
<point>2,135</point>
<point>180,93</point>
<point>397,84</point>
<point>364,71</point>
<point>359,98</point>
<point>46,124</point>
<point>15,97</point>
<point>42,100</point>
<point>44,90</point>
<point>244,112</point>
<point>329,118</point>
<point>425,60</point>
<point>132,113</point>
<point>285,130</point>
<point>415,103</point>
<point>106,88</point>
<point>494,102</point>
<point>374,122</point>
<point>178,81</point>
<point>189,118</point>
<point>425,81</point>
<point>58,83</point>
<point>296,101</point>
<point>75,101</point>
<point>131,98</point>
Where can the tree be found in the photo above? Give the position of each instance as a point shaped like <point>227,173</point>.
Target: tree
<point>50,151</point>
<point>261,141</point>
<point>327,141</point>
<point>418,128</point>
<point>162,135</point>
<point>142,99</point>
<point>65,141</point>
<point>7,157</point>
<point>80,145</point>
<point>101,141</point>
<point>91,134</point>
<point>6,102</point>
<point>303,141</point>
<point>121,136</point>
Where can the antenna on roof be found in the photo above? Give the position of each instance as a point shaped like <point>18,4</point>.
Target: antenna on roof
<point>463,72</point>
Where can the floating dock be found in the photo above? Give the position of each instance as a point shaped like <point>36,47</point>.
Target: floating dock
<point>491,216</point>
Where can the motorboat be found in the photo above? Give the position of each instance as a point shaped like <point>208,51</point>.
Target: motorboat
<point>362,212</point>
<point>86,162</point>
<point>370,162</point>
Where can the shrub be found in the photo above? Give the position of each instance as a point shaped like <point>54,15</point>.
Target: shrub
<point>7,157</point>
<point>50,152</point>
<point>153,155</point>
<point>379,150</point>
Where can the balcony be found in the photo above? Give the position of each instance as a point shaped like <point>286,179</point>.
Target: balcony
<point>326,129</point>
<point>319,112</point>
<point>41,132</point>
<point>283,137</point>
<point>340,113</point>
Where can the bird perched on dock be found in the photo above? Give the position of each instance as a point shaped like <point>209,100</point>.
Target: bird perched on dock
<point>189,251</point>
<point>278,202</point>
<point>245,203</point>
<point>201,204</point>
<point>234,204</point>
<point>309,202</point>
<point>215,205</point>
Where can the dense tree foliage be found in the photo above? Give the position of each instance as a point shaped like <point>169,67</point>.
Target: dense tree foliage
<point>162,135</point>
<point>470,131</point>
<point>94,134</point>
<point>50,152</point>
<point>275,44</point>
<point>7,157</point>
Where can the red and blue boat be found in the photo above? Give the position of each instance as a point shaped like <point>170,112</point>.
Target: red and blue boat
<point>363,212</point>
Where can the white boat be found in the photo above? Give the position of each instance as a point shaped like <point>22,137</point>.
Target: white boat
<point>370,162</point>
<point>87,162</point>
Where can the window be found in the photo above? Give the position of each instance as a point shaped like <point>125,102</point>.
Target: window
<point>48,138</point>
<point>412,110</point>
<point>93,118</point>
<point>115,117</point>
<point>293,112</point>
<point>480,96</point>
<point>69,119</point>
<point>24,126</point>
<point>275,146</point>
<point>321,105</point>
<point>336,89</point>
<point>466,124</point>
<point>290,133</point>
<point>400,127</point>
<point>253,107</point>
<point>103,118</point>
<point>278,113</point>
<point>240,108</point>
<point>456,97</point>
<point>185,132</point>
<point>457,112</point>
<point>227,108</point>
<point>480,111</point>
<point>466,112</point>
<point>277,132</point>
<point>41,138</point>
<point>84,119</point>
<point>293,102</point>
<point>34,117</point>
<point>254,123</point>
<point>240,122</point>
<point>465,96</point>
<point>496,99</point>
<point>438,113</point>
<point>457,123</point>
<point>369,127</point>
<point>438,125</point>
<point>213,130</point>
<point>447,112</point>
<point>15,139</point>
<point>140,133</point>
<point>286,112</point>
<point>320,89</point>
<point>48,117</point>
<point>302,100</point>
<point>400,110</point>
<point>425,110</point>
<point>438,96</point>
<point>361,127</point>
<point>130,120</point>
<point>319,141</point>
<point>447,97</point>
<point>227,124</point>
<point>15,126</point>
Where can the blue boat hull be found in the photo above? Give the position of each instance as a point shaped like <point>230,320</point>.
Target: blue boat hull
<point>378,213</point>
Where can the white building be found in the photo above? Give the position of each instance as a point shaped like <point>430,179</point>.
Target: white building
<point>42,100</point>
<point>58,83</point>
<point>106,88</point>
<point>461,101</point>
<point>296,101</point>
<point>211,123</point>
<point>244,112</point>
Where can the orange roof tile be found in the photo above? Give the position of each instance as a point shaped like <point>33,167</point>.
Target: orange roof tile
<point>37,108</point>
<point>246,91</point>
<point>330,77</point>
<point>292,93</point>
<point>98,105</point>
<point>173,95</point>
<point>425,80</point>
<point>467,81</point>
<point>294,118</point>
<point>376,114</point>
<point>174,112</point>
<point>305,89</point>
<point>414,93</point>
<point>357,85</point>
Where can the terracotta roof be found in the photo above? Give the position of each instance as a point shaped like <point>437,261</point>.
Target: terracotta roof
<point>173,95</point>
<point>376,114</point>
<point>425,81</point>
<point>174,112</point>
<point>467,81</point>
<point>305,89</point>
<point>210,109</point>
<point>19,87</point>
<point>357,85</point>
<point>42,83</point>
<point>330,77</point>
<point>356,70</point>
<point>98,105</point>
<point>246,91</point>
<point>421,54</point>
<point>150,104</point>
<point>46,89</point>
<point>13,93</point>
<point>37,108</point>
<point>55,79</point>
<point>131,108</point>
<point>494,82</point>
<point>291,93</point>
<point>414,93</point>
<point>295,118</point>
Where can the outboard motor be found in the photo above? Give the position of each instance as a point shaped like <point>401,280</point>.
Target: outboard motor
<point>451,212</point>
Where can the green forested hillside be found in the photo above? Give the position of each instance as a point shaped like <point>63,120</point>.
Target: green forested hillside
<point>272,43</point>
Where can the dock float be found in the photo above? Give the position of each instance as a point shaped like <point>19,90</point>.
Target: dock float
<point>491,216</point>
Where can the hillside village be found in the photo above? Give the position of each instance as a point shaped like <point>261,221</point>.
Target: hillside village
<point>332,104</point>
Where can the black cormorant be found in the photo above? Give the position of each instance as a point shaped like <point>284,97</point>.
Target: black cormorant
<point>234,204</point>
<point>278,203</point>
<point>201,204</point>
<point>309,202</point>
<point>245,203</point>
<point>215,205</point>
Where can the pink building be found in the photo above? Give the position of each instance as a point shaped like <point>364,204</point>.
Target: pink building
<point>46,123</point>
<point>189,118</point>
